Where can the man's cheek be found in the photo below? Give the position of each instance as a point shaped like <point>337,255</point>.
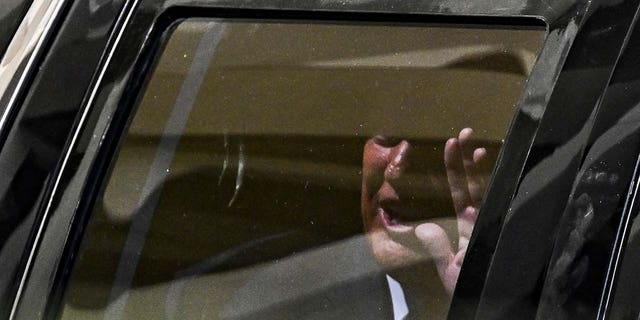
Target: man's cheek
<point>372,184</point>
<point>373,175</point>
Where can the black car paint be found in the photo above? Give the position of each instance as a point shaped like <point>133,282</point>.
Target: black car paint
<point>573,120</point>
<point>33,143</point>
<point>88,128</point>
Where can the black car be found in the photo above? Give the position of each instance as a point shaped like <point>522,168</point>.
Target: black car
<point>319,159</point>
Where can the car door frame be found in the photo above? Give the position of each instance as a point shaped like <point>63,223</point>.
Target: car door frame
<point>137,35</point>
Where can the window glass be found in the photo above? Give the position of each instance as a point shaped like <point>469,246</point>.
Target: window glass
<point>297,170</point>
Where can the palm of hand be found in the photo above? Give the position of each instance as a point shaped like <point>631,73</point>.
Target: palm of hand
<point>462,162</point>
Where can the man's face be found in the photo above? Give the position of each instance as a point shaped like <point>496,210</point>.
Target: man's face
<point>390,209</point>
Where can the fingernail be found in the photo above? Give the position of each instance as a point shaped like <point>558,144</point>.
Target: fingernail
<point>479,153</point>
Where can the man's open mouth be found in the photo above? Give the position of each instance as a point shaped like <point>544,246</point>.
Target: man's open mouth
<point>395,213</point>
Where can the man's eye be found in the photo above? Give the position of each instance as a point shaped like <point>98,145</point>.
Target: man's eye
<point>386,141</point>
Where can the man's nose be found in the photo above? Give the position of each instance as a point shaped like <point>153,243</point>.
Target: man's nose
<point>398,161</point>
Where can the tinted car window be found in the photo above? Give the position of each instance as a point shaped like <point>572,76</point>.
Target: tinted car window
<point>301,170</point>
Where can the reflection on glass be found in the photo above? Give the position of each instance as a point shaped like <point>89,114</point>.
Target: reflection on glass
<point>261,151</point>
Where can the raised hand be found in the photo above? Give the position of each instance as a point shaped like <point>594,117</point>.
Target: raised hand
<point>467,185</point>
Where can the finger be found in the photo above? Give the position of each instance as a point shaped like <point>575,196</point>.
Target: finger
<point>451,276</point>
<point>479,159</point>
<point>437,244</point>
<point>479,155</point>
<point>466,222</point>
<point>473,174</point>
<point>456,175</point>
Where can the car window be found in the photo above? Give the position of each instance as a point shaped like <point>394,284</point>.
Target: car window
<point>290,169</point>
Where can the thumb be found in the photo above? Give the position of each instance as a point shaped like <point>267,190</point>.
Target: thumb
<point>435,242</point>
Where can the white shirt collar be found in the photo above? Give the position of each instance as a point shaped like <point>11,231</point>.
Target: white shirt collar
<point>400,309</point>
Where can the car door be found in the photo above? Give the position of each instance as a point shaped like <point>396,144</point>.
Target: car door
<point>569,153</point>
